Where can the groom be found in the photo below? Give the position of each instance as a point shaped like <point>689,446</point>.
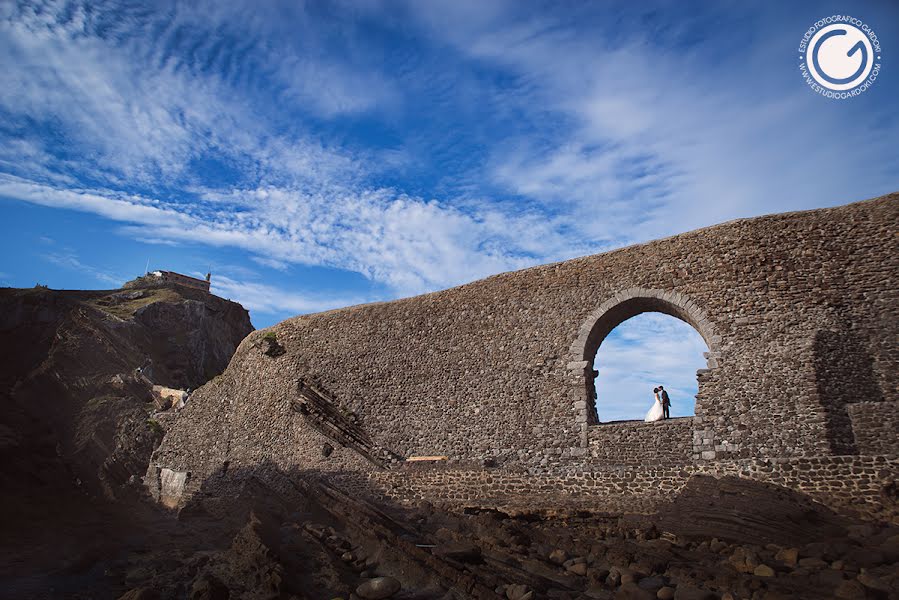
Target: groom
<point>666,403</point>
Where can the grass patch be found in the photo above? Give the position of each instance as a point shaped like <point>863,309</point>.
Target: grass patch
<point>97,401</point>
<point>272,347</point>
<point>126,309</point>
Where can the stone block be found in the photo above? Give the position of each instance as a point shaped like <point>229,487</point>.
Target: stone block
<point>171,486</point>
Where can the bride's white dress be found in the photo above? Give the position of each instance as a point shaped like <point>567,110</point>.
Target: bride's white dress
<point>656,412</point>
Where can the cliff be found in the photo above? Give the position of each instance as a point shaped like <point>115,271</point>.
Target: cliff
<point>76,376</point>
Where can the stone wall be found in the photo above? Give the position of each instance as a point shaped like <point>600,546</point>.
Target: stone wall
<point>634,442</point>
<point>232,426</point>
<point>186,280</point>
<point>852,484</point>
<point>165,278</point>
<point>875,426</point>
<point>799,311</point>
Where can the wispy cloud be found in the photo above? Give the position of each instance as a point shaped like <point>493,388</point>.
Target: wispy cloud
<point>141,113</point>
<point>643,131</point>
<point>421,144</point>
<point>68,259</point>
<point>272,263</point>
<point>156,241</point>
<point>268,299</point>
<point>118,85</point>
<point>410,244</point>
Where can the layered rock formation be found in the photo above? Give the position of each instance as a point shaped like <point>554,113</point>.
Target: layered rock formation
<point>76,373</point>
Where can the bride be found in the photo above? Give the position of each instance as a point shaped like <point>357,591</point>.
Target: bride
<point>656,412</point>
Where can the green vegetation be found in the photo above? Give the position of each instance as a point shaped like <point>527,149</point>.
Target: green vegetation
<point>154,426</point>
<point>97,401</point>
<point>121,307</point>
<point>274,348</point>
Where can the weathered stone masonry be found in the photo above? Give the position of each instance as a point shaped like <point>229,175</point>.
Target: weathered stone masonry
<point>851,482</point>
<point>800,313</point>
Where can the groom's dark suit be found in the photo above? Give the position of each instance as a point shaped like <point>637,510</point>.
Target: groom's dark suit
<point>665,404</point>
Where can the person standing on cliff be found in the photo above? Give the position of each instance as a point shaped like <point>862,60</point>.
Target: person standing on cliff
<point>666,403</point>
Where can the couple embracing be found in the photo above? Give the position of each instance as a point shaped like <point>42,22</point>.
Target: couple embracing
<point>660,407</point>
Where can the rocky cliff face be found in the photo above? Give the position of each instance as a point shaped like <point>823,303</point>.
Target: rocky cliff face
<point>76,373</point>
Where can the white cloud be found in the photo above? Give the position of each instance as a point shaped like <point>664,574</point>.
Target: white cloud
<point>272,263</point>
<point>29,157</point>
<point>650,138</point>
<point>140,113</point>
<point>112,205</point>
<point>614,151</point>
<point>267,299</point>
<point>409,244</point>
<point>156,241</point>
<point>69,260</point>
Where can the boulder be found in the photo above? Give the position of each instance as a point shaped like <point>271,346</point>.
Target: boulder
<point>578,569</point>
<point>378,588</point>
<point>209,587</point>
<point>461,551</point>
<point>865,557</point>
<point>763,571</point>
<point>598,573</point>
<point>652,584</point>
<point>689,592</point>
<point>850,590</point>
<point>744,560</point>
<point>873,582</point>
<point>166,397</point>
<point>519,591</point>
<point>828,578</point>
<point>558,556</point>
<point>788,556</point>
<point>598,592</point>
<point>665,593</point>
<point>812,562</point>
<point>631,591</point>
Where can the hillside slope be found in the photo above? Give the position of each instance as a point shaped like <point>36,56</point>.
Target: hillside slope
<point>76,373</point>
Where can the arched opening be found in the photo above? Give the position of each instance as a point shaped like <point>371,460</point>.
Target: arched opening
<point>615,311</point>
<point>642,352</point>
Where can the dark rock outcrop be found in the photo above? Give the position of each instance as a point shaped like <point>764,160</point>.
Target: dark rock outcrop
<point>76,372</point>
<point>734,509</point>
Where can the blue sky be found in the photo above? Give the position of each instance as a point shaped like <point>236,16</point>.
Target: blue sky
<point>319,154</point>
<point>646,351</point>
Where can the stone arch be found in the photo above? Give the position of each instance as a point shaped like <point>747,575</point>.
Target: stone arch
<point>614,311</point>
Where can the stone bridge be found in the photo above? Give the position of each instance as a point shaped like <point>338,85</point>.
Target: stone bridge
<point>800,313</point>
